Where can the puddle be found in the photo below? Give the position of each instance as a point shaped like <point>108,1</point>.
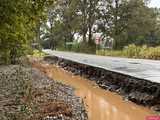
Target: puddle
<point>100,104</point>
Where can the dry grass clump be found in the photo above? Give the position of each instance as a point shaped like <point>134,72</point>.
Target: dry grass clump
<point>133,51</point>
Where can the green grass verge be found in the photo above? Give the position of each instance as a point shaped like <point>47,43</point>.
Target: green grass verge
<point>133,51</point>
<point>37,53</point>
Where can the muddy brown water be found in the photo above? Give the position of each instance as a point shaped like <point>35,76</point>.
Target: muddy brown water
<point>100,104</point>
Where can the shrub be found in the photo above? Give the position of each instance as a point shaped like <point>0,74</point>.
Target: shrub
<point>37,53</point>
<point>152,53</point>
<point>132,51</point>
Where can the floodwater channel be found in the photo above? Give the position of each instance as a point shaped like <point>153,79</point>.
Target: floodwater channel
<point>100,104</point>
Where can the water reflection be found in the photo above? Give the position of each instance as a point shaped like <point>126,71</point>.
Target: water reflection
<point>100,104</point>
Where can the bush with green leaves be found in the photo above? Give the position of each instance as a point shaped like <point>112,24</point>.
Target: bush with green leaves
<point>19,21</point>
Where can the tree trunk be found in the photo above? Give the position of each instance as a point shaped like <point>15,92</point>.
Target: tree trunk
<point>116,24</point>
<point>38,39</point>
<point>90,23</point>
<point>84,36</point>
<point>84,20</point>
<point>90,34</point>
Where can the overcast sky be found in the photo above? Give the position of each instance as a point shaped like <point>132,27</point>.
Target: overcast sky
<point>155,3</point>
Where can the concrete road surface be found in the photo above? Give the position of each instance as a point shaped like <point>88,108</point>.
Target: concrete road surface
<point>139,68</point>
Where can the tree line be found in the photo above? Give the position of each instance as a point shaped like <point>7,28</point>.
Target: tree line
<point>53,23</point>
<point>126,21</point>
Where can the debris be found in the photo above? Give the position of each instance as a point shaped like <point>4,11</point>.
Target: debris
<point>27,94</point>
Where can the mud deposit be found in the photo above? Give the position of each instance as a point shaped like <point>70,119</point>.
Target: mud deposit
<point>100,104</point>
<point>140,91</point>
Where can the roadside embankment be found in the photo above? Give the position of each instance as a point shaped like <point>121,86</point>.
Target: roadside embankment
<point>136,90</point>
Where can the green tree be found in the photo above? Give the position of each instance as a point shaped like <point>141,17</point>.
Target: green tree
<point>126,21</point>
<point>63,23</point>
<point>18,20</point>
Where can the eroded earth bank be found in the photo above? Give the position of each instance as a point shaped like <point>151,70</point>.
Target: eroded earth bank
<point>140,91</point>
<point>57,89</point>
<point>111,102</point>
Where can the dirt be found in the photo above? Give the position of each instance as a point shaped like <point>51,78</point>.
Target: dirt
<point>100,104</point>
<point>27,94</point>
<point>141,92</point>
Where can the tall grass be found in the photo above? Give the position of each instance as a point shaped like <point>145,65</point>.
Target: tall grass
<point>133,51</point>
<point>37,53</point>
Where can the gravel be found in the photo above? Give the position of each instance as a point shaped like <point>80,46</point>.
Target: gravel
<point>27,94</point>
